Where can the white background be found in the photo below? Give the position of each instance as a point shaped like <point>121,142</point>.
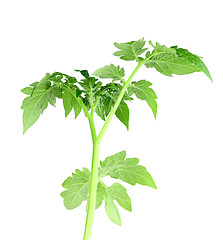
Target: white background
<point>182,149</point>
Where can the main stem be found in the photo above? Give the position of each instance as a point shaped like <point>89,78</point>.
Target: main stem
<point>95,156</point>
<point>93,181</point>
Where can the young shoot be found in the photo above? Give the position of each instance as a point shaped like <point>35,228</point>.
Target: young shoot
<point>92,96</point>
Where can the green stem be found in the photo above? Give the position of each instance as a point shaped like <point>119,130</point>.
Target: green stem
<point>125,86</point>
<point>93,183</point>
<point>95,156</point>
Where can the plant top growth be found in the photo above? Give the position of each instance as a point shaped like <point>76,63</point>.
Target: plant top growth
<point>91,95</point>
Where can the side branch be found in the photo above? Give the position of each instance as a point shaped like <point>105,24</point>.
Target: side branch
<point>125,86</point>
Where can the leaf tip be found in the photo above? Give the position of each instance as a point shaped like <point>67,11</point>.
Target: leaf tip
<point>24,130</point>
<point>211,78</point>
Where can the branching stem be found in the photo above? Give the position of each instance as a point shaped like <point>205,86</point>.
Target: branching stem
<point>95,156</point>
<point>118,101</point>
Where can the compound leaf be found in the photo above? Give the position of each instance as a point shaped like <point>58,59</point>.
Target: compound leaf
<point>77,188</point>
<point>166,61</point>
<point>130,51</point>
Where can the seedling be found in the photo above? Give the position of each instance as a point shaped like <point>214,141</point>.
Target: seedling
<point>106,100</point>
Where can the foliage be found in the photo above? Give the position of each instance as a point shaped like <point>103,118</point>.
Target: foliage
<point>94,94</point>
<point>116,166</point>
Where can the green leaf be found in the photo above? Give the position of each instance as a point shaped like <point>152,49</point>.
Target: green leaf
<point>36,83</point>
<point>108,95</point>
<point>57,91</point>
<point>115,192</point>
<point>25,102</point>
<point>127,170</point>
<point>77,107</point>
<point>77,188</point>
<point>122,113</point>
<point>111,160</point>
<point>100,108</point>
<point>34,105</point>
<point>143,91</point>
<point>111,71</point>
<point>119,193</point>
<point>70,102</point>
<point>67,102</point>
<point>166,61</point>
<point>84,73</point>
<point>27,90</point>
<point>131,50</point>
<point>112,210</point>
<point>58,76</point>
<point>100,195</point>
<point>194,60</point>
<point>108,105</point>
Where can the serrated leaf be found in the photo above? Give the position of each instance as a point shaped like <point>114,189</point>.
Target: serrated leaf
<point>134,174</point>
<point>112,210</point>
<point>122,113</point>
<point>77,188</point>
<point>35,105</point>
<point>119,193</point>
<point>166,61</point>
<point>58,76</point>
<point>143,91</point>
<point>131,50</point>
<point>127,170</point>
<point>193,59</point>
<point>115,192</point>
<point>111,71</point>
